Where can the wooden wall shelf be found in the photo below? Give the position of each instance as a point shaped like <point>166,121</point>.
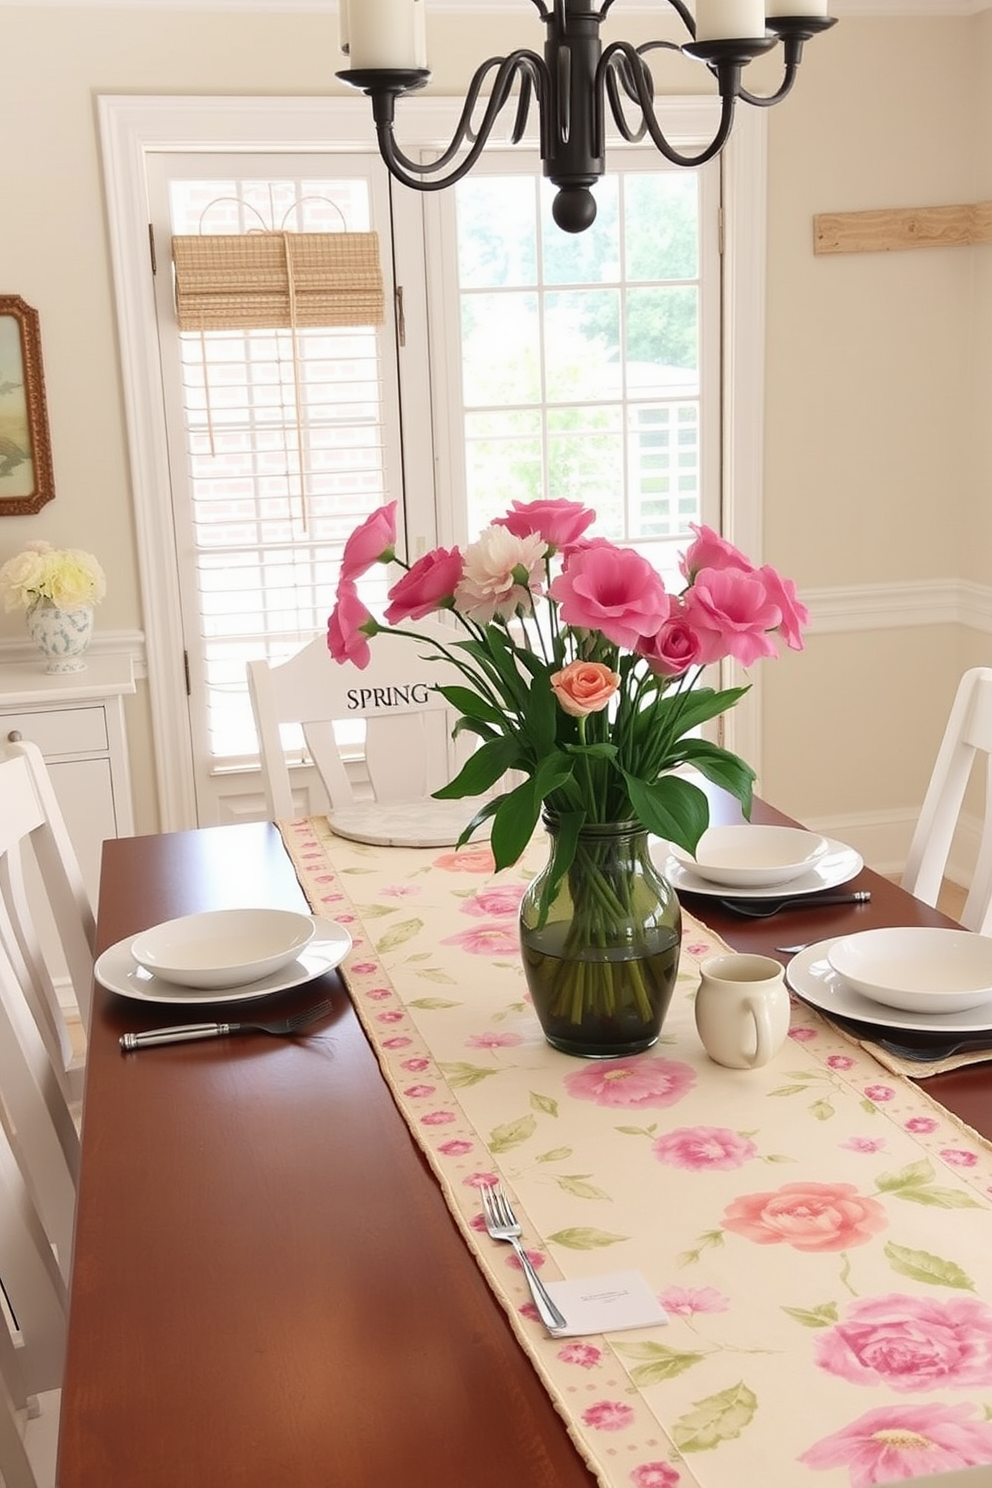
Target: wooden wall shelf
<point>891,230</point>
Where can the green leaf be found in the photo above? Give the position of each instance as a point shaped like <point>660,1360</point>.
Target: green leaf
<point>544,1103</point>
<point>513,823</point>
<point>555,1154</point>
<point>922,1266</point>
<point>399,935</point>
<point>431,1004</point>
<point>639,1131</point>
<point>671,807</point>
<point>502,1138</point>
<point>482,769</point>
<point>822,1110</point>
<point>939,1198</point>
<point>913,1176</point>
<point>465,701</point>
<point>576,1184</point>
<point>716,1419</point>
<point>580,1237</point>
<point>814,1317</point>
<point>461,1075</point>
<point>435,974</point>
<point>723,768</point>
<point>660,1363</point>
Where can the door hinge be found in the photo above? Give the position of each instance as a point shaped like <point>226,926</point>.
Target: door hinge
<point>400,316</point>
<point>151,248</point>
<point>189,690</point>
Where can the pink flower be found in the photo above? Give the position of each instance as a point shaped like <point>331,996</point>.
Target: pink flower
<point>377,994</point>
<point>958,1158</point>
<point>374,541</point>
<point>586,1355</point>
<point>418,1092</point>
<point>701,1147</point>
<point>457,1147</point>
<point>637,1081</point>
<point>907,1441</point>
<point>730,612</point>
<point>467,860</point>
<point>437,1118</point>
<point>807,1216</point>
<point>402,891</point>
<point>911,1343</point>
<point>499,939</point>
<point>501,573</point>
<point>921,1124</point>
<point>348,628</point>
<point>429,585</point>
<point>391,1017</point>
<point>710,550</point>
<point>840,1062</point>
<point>608,1415</point>
<point>481,1180</point>
<point>782,592</point>
<point>415,1066</point>
<point>364,968</point>
<point>492,1040</point>
<point>655,1475</point>
<point>584,687</point>
<point>802,1035</point>
<point>613,590</point>
<point>880,1093</point>
<point>397,1043</point>
<point>686,1301</point>
<point>534,1256</point>
<point>864,1144</point>
<point>674,649</point>
<point>559,523</point>
<point>501,899</point>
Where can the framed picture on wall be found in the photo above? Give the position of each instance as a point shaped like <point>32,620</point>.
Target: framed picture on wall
<point>26,475</point>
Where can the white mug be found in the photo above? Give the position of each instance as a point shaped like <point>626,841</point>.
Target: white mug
<point>742,1009</point>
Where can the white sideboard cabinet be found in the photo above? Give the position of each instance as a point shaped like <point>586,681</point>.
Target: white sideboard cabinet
<point>77,721</point>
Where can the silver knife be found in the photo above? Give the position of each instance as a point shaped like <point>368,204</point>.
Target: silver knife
<point>178,1035</point>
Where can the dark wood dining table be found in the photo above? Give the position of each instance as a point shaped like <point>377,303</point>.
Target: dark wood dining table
<point>268,1289</point>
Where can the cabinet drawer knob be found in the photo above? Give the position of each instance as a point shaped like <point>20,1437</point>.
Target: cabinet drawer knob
<point>14,737</point>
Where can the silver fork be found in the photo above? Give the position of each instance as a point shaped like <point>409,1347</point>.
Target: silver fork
<point>183,1032</point>
<point>501,1222</point>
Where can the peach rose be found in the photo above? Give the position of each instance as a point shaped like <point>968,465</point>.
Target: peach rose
<point>808,1216</point>
<point>584,687</point>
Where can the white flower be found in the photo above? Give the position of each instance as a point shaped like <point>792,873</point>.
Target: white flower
<point>68,577</point>
<point>501,574</point>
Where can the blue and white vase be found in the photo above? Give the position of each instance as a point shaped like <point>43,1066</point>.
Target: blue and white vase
<point>62,636</point>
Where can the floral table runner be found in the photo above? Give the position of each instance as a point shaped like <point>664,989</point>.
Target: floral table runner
<point>819,1231</point>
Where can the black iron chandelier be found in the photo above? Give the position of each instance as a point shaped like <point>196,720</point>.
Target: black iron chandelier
<point>571,83</point>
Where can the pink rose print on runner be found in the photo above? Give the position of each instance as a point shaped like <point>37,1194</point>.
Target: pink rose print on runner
<point>492,1040</point>
<point>498,939</point>
<point>634,1082</point>
<point>418,1092</point>
<point>468,860</point>
<point>807,1216</point>
<point>911,1343</point>
<point>457,1147</point>
<point>958,1157</point>
<point>583,1354</point>
<point>437,1118</point>
<point>802,1035</point>
<point>840,1062</point>
<point>702,1147</point>
<point>921,1125</point>
<point>687,1301</point>
<point>501,899</point>
<point>608,1415</point>
<point>904,1441</point>
<point>415,1065</point>
<point>364,968</point>
<point>655,1475</point>
<point>397,1043</point>
<point>864,1144</point>
<point>880,1093</point>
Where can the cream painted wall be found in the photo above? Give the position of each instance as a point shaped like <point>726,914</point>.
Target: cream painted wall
<point>878,456</point>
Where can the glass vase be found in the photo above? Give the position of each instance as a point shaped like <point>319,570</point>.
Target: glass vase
<point>601,959</point>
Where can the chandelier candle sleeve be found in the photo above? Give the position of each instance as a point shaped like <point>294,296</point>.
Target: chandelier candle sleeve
<point>384,33</point>
<point>728,20</point>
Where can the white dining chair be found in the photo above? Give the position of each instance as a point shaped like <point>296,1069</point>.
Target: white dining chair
<point>33,1307</point>
<point>40,875</point>
<point>408,751</point>
<point>967,737</point>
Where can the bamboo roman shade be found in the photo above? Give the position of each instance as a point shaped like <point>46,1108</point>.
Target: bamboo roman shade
<point>270,280</point>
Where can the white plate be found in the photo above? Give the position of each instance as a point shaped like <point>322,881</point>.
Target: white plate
<point>749,856</point>
<point>812,978</point>
<point>223,948</point>
<point>917,968</point>
<point>117,971</point>
<point>838,864</point>
<point>424,823</point>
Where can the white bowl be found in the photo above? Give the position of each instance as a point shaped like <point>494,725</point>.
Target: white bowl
<point>919,968</point>
<point>223,947</point>
<point>752,857</point>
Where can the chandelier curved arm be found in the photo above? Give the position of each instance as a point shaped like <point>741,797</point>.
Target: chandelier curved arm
<point>523,66</point>
<point>792,32</point>
<point>623,60</point>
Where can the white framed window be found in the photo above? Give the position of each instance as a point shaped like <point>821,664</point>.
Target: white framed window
<point>438,429</point>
